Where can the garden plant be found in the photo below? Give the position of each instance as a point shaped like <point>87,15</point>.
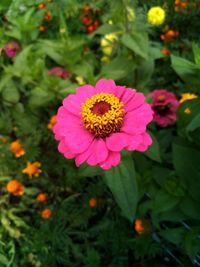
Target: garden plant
<point>99,133</point>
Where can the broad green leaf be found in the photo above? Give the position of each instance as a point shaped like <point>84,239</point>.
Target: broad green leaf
<point>106,29</point>
<point>117,68</point>
<point>153,151</point>
<point>196,51</point>
<point>187,70</point>
<point>87,171</point>
<point>121,180</point>
<point>190,208</point>
<point>144,72</point>
<point>187,164</point>
<point>11,94</point>
<point>194,124</point>
<point>137,42</point>
<point>3,260</point>
<point>175,235</point>
<point>164,201</point>
<point>39,97</point>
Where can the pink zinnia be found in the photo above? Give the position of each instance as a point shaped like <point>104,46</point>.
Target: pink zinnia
<point>11,49</point>
<point>60,72</point>
<point>164,105</point>
<point>96,123</point>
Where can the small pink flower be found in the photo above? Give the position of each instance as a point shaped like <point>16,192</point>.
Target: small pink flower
<point>60,72</point>
<point>96,123</point>
<point>11,49</point>
<point>164,105</point>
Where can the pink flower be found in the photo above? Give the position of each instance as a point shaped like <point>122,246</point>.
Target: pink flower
<point>11,49</point>
<point>96,123</point>
<point>60,72</point>
<point>164,105</point>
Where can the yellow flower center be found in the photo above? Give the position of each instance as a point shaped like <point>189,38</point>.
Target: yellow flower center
<point>102,114</point>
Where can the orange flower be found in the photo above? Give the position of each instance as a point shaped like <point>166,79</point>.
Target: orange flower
<point>42,28</point>
<point>92,202</point>
<point>139,228</point>
<point>41,6</point>
<point>187,111</point>
<point>17,149</point>
<point>48,16</point>
<point>165,51</point>
<point>32,169</point>
<point>52,122</point>
<point>42,197</point>
<point>15,188</point>
<point>169,35</point>
<point>46,213</point>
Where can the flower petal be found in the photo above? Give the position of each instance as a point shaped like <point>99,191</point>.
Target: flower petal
<point>64,149</point>
<point>117,141</point>
<point>78,140</point>
<point>72,104</point>
<point>84,92</point>
<point>100,152</point>
<point>106,86</point>
<point>113,159</point>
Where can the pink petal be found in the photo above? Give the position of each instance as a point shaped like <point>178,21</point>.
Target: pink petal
<point>119,92</point>
<point>136,101</point>
<point>145,143</point>
<point>84,92</point>
<point>107,86</point>
<point>113,159</point>
<point>134,142</point>
<point>78,140</point>
<point>117,141</point>
<point>72,104</point>
<point>64,149</point>
<point>99,152</point>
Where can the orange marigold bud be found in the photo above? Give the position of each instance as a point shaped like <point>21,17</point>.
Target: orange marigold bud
<point>15,188</point>
<point>32,169</point>
<point>138,226</point>
<point>92,202</point>
<point>17,149</point>
<point>165,51</point>
<point>52,122</point>
<point>46,213</point>
<point>41,6</point>
<point>42,28</point>
<point>48,16</point>
<point>42,197</point>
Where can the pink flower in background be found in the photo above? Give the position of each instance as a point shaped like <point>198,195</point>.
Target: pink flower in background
<point>96,123</point>
<point>60,72</point>
<point>164,105</point>
<point>11,49</point>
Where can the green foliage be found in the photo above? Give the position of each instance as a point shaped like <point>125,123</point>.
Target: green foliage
<point>160,187</point>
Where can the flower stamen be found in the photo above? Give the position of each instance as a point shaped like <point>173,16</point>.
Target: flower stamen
<point>102,114</point>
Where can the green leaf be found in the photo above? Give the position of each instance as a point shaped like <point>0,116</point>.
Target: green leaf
<point>106,29</point>
<point>144,72</point>
<point>196,51</point>
<point>137,42</point>
<point>39,97</point>
<point>11,94</point>
<point>121,180</point>
<point>175,235</point>
<point>187,70</point>
<point>117,68</point>
<point>154,151</point>
<point>194,124</point>
<point>3,260</point>
<point>164,201</point>
<point>87,171</point>
<point>187,164</point>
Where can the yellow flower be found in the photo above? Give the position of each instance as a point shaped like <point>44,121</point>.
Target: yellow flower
<point>80,80</point>
<point>52,122</point>
<point>17,149</point>
<point>32,169</point>
<point>107,43</point>
<point>187,110</point>
<point>156,15</point>
<point>187,96</point>
<point>15,188</point>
